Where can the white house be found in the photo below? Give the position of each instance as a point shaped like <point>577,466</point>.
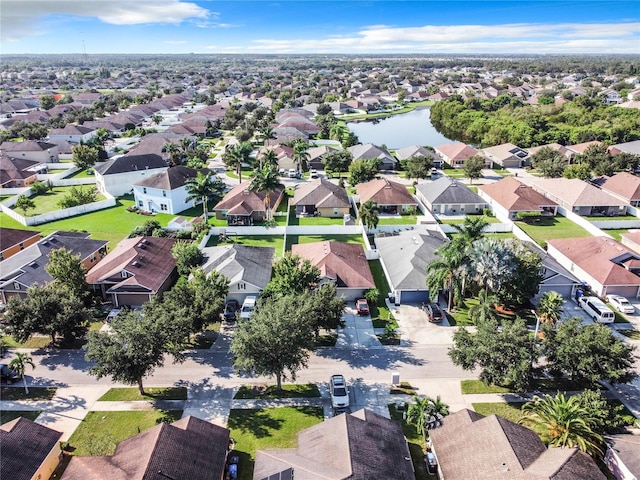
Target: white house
<point>72,133</point>
<point>118,175</point>
<point>166,191</point>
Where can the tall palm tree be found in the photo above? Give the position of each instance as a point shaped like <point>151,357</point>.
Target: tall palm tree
<point>550,307</point>
<point>266,133</point>
<point>236,156</point>
<point>301,155</point>
<point>338,131</point>
<point>485,308</point>
<point>472,229</point>
<point>202,187</point>
<point>368,212</point>
<point>562,422</point>
<point>174,152</point>
<point>446,273</point>
<point>269,158</point>
<point>266,180</point>
<point>19,365</point>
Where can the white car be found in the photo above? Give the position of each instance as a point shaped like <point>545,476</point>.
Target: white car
<point>339,392</point>
<point>313,173</point>
<point>621,304</point>
<point>248,306</point>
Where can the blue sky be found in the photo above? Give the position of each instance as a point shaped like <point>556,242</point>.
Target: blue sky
<point>308,26</point>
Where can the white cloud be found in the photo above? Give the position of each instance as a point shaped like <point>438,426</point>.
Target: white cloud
<point>20,17</point>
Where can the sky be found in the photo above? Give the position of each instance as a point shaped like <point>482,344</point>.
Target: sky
<point>312,26</point>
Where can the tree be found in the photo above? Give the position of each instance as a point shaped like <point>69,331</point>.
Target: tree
<point>134,347</point>
<point>66,268</point>
<point>174,151</point>
<point>266,180</point>
<point>276,340</point>
<point>84,156</point>
<point>187,255</point>
<point>504,353</point>
<point>19,365</point>
<point>581,171</point>
<point>425,413</point>
<point>338,131</point>
<point>24,203</point>
<point>40,188</point>
<point>301,155</point>
<point>368,212</point>
<point>472,229</point>
<point>418,166</point>
<point>362,170</point>
<point>562,422</point>
<point>292,275</point>
<point>446,273</point>
<point>337,162</point>
<point>485,309</point>
<point>587,352</point>
<point>269,158</point>
<point>550,307</point>
<point>50,310</point>
<point>327,308</point>
<point>202,187</point>
<point>47,102</point>
<point>235,156</point>
<point>549,162</point>
<point>473,166</point>
<point>607,418</point>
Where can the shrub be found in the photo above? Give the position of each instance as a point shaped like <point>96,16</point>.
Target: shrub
<point>78,196</point>
<point>372,295</point>
<point>39,188</point>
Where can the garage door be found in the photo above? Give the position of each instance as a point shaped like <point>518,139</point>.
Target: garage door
<point>414,296</point>
<point>629,292</point>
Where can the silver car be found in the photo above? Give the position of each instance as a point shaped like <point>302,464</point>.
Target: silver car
<point>621,304</point>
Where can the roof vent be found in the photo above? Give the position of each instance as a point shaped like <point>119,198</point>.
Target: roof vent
<point>135,264</point>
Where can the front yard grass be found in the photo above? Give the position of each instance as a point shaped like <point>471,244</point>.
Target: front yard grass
<point>549,385</point>
<point>275,241</point>
<point>36,341</point>
<point>294,239</point>
<point>133,394</point>
<point>255,429</point>
<point>416,443</point>
<point>100,432</point>
<point>511,410</point>
<point>616,233</point>
<point>398,220</point>
<point>551,228</point>
<point>309,390</point>
<point>471,387</point>
<point>8,415</point>
<point>35,393</point>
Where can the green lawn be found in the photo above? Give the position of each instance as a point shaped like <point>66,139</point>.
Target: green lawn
<point>132,394</point>
<point>8,415</point>
<point>310,221</point>
<point>294,239</point>
<point>454,172</point>
<point>100,432</point>
<point>470,387</point>
<point>616,233</point>
<point>539,384</point>
<point>401,220</point>
<point>275,241</point>
<point>81,174</point>
<point>247,173</point>
<point>602,218</point>
<point>254,429</point>
<point>631,333</point>
<point>309,390</point>
<point>35,393</point>
<point>33,342</point>
<point>48,202</point>
<point>511,411</point>
<point>550,228</point>
<point>405,388</point>
<point>407,108</point>
<point>460,221</point>
<point>416,442</point>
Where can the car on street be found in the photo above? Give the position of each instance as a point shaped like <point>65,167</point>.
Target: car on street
<point>339,392</point>
<point>7,375</point>
<point>435,313</point>
<point>230,309</point>
<point>621,304</point>
<point>362,307</point>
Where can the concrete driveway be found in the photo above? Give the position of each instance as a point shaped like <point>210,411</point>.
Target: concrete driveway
<point>415,327</point>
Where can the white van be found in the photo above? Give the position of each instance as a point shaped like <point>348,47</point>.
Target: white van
<point>248,306</point>
<point>597,310</point>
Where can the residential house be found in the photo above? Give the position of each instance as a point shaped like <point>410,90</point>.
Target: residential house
<point>506,155</point>
<point>29,450</point>
<point>564,151</point>
<point>470,446</point>
<point>117,176</point>
<point>623,456</point>
<point>509,196</point>
<point>13,240</point>
<point>579,197</point>
<point>135,271</point>
<point>448,196</point>
<point>317,154</point>
<point>243,206</point>
<point>415,150</point>
<point>631,239</point>
<point>356,446</point>
<point>580,148</point>
<point>248,268</point>
<point>391,197</point>
<point>340,263</point>
<point>320,198</point>
<point>28,267</point>
<point>404,258</point>
<point>370,151</point>
<point>555,277</point>
<point>605,264</point>
<point>43,152</point>
<point>623,185</point>
<point>18,172</point>
<point>627,147</point>
<point>455,154</point>
<point>166,191</point>
<point>72,133</point>
<point>189,448</point>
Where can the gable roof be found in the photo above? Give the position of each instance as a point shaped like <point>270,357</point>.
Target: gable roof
<point>369,150</point>
<point>345,263</point>
<point>575,192</point>
<point>242,201</point>
<point>15,168</point>
<point>600,257</point>
<point>24,445</point>
<point>582,147</point>
<point>240,263</point>
<point>412,151</point>
<point>385,192</point>
<point>357,446</point>
<point>623,184</point>
<point>456,151</point>
<point>131,163</point>
<point>322,193</point>
<point>446,190</point>
<point>26,146</point>
<point>13,236</point>
<point>172,178</point>
<point>189,448</point>
<point>514,195</point>
<point>147,260</point>
<point>504,151</point>
<point>470,446</point>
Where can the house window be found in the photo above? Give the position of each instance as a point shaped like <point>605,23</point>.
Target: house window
<point>21,246</point>
<point>1,256</point>
<point>16,286</point>
<point>164,194</point>
<point>140,204</point>
<point>163,207</point>
<point>144,189</point>
<point>242,286</point>
<point>124,274</point>
<point>224,213</point>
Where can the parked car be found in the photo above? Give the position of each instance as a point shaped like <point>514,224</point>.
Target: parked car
<point>434,312</point>
<point>432,463</point>
<point>313,173</point>
<point>248,306</point>
<point>293,173</point>
<point>362,307</point>
<point>7,375</point>
<point>621,304</point>
<point>339,392</point>
<point>230,309</point>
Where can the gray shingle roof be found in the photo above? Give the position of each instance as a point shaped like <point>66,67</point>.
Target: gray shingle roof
<point>130,163</point>
<point>241,263</point>
<point>172,178</point>
<point>322,193</point>
<point>446,190</point>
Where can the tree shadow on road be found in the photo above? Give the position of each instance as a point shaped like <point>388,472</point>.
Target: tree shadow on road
<point>382,358</point>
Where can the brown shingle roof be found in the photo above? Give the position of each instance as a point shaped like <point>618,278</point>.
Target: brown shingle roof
<point>385,192</point>
<point>322,193</point>
<point>575,192</point>
<point>13,236</point>
<point>514,195</point>
<point>242,201</point>
<point>623,184</point>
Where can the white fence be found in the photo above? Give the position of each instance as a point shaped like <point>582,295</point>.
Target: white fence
<point>616,224</point>
<point>59,214</point>
<point>587,225</point>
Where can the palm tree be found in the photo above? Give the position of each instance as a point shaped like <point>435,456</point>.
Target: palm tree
<point>562,422</point>
<point>300,154</point>
<point>338,131</point>
<point>426,413</point>
<point>368,212</point>
<point>472,229</point>
<point>446,273</point>
<point>174,152</point>
<point>490,263</point>
<point>550,307</point>
<point>19,365</point>
<point>486,307</point>
<point>202,187</point>
<point>266,133</point>
<point>265,179</point>
<point>269,158</point>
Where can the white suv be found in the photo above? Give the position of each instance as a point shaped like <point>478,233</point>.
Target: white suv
<point>248,306</point>
<point>339,392</point>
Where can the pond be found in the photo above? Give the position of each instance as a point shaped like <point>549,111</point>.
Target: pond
<point>398,131</point>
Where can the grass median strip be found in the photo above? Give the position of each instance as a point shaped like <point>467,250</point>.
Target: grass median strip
<point>35,393</point>
<point>288,391</point>
<point>133,394</point>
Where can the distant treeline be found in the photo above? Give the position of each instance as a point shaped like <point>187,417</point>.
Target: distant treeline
<point>505,119</point>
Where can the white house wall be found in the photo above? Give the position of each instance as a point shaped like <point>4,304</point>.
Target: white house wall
<point>154,198</point>
<point>122,183</point>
